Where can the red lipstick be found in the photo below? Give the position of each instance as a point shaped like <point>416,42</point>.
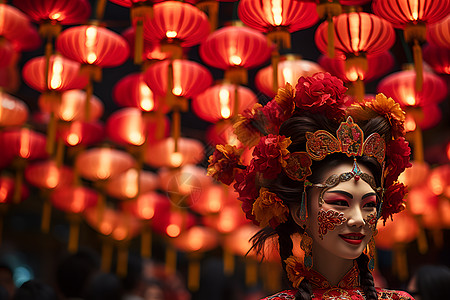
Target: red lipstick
<point>353,238</point>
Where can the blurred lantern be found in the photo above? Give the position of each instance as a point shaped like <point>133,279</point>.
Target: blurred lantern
<point>140,12</point>
<point>212,199</point>
<point>13,22</point>
<point>416,175</point>
<point>177,80</point>
<point>47,175</point>
<point>439,180</point>
<point>74,200</point>
<point>356,35</point>
<point>162,154</point>
<point>413,16</point>
<point>131,183</point>
<point>176,25</point>
<point>91,46</point>
<point>13,112</point>
<point>222,133</point>
<point>235,49</point>
<point>428,117</point>
<point>421,199</point>
<point>151,50</point>
<point>278,18</point>
<point>28,40</point>
<point>103,163</point>
<point>438,58</point>
<point>290,69</point>
<point>7,53</point>
<point>223,101</point>
<point>227,220</point>
<point>81,133</point>
<point>439,33</point>
<point>195,241</point>
<point>172,222</point>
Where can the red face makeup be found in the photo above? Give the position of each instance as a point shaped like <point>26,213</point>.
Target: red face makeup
<point>328,220</point>
<point>371,220</point>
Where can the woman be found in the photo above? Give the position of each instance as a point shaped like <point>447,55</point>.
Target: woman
<point>325,170</point>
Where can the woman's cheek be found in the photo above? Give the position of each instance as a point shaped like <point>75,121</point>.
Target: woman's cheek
<point>328,220</point>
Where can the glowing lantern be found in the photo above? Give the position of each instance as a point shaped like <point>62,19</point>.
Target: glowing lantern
<point>103,163</point>
<point>212,200</point>
<point>48,175</point>
<point>289,69</point>
<point>151,51</point>
<point>7,53</point>
<point>439,180</point>
<point>227,220</point>
<point>278,18</point>
<point>415,175</point>
<point>128,126</point>
<point>147,205</point>
<point>175,25</point>
<point>162,154</point>
<point>7,190</point>
<point>131,184</point>
<point>71,107</point>
<point>81,133</point>
<point>357,34</point>
<point>428,117</point>
<point>222,133</point>
<point>23,143</point>
<point>403,230</point>
<point>28,40</point>
<point>400,86</point>
<point>13,112</point>
<point>421,199</point>
<point>235,49</point>
<point>12,22</point>
<point>223,101</point>
<point>132,91</point>
<point>438,58</point>
<point>104,223</point>
<point>413,16</point>
<point>172,222</point>
<point>439,33</point>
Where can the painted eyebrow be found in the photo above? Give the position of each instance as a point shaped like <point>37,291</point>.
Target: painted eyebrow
<point>347,194</point>
<point>369,195</point>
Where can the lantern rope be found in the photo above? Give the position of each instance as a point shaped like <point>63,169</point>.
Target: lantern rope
<point>418,65</point>
<point>107,252</point>
<point>138,14</point>
<point>122,260</point>
<point>74,232</point>
<point>193,274</point>
<point>171,260</point>
<point>46,214</point>
<point>251,272</point>
<point>275,62</point>
<point>228,262</point>
<point>146,241</point>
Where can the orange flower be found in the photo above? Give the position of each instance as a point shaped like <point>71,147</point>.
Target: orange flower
<point>244,128</point>
<point>224,163</point>
<point>269,208</point>
<point>294,270</point>
<point>285,98</point>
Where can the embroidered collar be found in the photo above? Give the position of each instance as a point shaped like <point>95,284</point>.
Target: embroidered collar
<point>349,281</point>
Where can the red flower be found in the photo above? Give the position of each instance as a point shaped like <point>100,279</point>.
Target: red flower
<point>393,200</point>
<point>274,116</point>
<point>246,187</point>
<point>397,160</point>
<point>321,93</point>
<point>270,155</point>
<point>224,163</point>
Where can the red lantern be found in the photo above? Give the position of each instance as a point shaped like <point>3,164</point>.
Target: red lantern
<point>63,74</point>
<point>377,65</point>
<point>23,143</point>
<point>421,200</point>
<point>222,133</point>
<point>430,116</point>
<point>439,33</point>
<point>162,154</point>
<point>403,230</point>
<point>132,91</point>
<point>415,175</point>
<point>229,219</point>
<point>104,222</point>
<point>13,112</point>
<point>48,175</point>
<point>196,239</point>
<point>72,106</point>
<point>211,200</point>
<point>289,69</point>
<point>81,133</point>
<point>7,190</point>
<point>92,45</point>
<point>438,58</point>
<point>278,18</point>
<point>131,184</point>
<point>151,51</point>
<point>13,22</point>
<point>7,53</point>
<point>74,199</point>
<point>219,102</point>
<point>172,222</point>
<point>235,49</point>
<point>189,78</point>
<point>400,86</point>
<point>175,25</point>
<point>439,180</point>
<point>147,205</point>
<point>103,163</point>
<point>28,40</point>
<point>182,182</point>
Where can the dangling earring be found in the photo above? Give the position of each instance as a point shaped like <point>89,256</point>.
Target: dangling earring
<point>303,211</point>
<point>306,246</point>
<point>370,252</point>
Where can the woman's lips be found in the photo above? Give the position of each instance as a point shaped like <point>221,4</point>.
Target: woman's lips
<point>353,238</point>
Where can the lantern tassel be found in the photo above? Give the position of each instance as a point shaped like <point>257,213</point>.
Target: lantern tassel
<point>171,260</point>
<point>18,181</point>
<point>211,9</point>
<point>87,103</point>
<point>74,233</point>
<point>139,42</point>
<point>281,38</point>
<point>358,88</point>
<point>275,62</point>
<point>401,262</point>
<point>422,241</point>
<point>59,156</point>
<point>51,134</point>
<point>100,12</point>
<point>251,273</point>
<point>228,262</point>
<point>330,45</point>
<point>107,251</point>
<point>418,65</point>
<point>272,278</point>
<point>236,75</point>
<point>48,54</point>
<point>418,145</point>
<point>122,261</point>
<point>146,242</point>
<point>438,237</point>
<point>176,126</point>
<point>46,215</point>
<point>236,102</point>
<point>193,274</point>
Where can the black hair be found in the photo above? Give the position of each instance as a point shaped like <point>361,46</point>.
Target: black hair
<point>433,282</point>
<point>290,191</point>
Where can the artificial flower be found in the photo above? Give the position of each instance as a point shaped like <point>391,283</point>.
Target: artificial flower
<point>247,189</point>
<point>270,155</point>
<point>321,93</point>
<point>269,209</point>
<point>285,98</point>
<point>295,270</point>
<point>393,200</point>
<point>246,129</point>
<point>224,163</point>
<point>397,159</point>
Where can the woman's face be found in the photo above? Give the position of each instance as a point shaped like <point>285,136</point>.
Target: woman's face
<point>343,225</point>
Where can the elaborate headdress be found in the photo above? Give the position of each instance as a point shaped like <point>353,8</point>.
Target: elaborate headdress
<point>320,94</point>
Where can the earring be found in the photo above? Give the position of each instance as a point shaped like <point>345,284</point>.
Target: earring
<point>303,211</point>
<point>370,252</point>
<point>306,246</point>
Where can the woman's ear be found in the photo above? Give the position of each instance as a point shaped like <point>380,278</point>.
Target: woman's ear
<point>295,214</point>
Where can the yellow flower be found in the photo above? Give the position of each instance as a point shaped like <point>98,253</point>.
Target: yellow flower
<point>267,207</point>
<point>294,270</point>
<point>245,132</point>
<point>284,151</point>
<point>285,98</point>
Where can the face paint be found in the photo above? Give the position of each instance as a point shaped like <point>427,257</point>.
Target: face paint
<point>328,220</point>
<point>371,220</point>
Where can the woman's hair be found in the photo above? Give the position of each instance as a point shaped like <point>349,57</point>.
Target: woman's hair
<point>290,191</point>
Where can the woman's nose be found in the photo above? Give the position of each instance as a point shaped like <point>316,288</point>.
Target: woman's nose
<point>356,218</point>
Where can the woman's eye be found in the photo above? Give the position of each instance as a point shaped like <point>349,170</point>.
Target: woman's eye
<point>370,204</point>
<point>337,202</point>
